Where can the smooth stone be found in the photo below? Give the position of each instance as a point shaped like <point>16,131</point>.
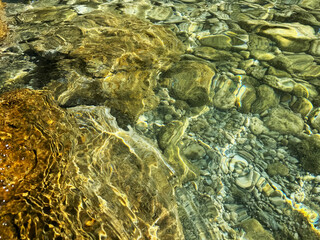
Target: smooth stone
<point>303,106</point>
<point>293,37</point>
<point>245,98</point>
<point>246,64</point>
<point>257,71</point>
<point>191,81</point>
<point>226,90</point>
<point>245,181</point>
<point>222,42</point>
<point>284,121</point>
<point>212,54</point>
<point>277,72</point>
<point>254,230</point>
<point>296,63</point>
<point>283,84</point>
<point>245,54</point>
<point>311,72</point>
<point>300,90</point>
<point>237,163</point>
<point>266,99</point>
<point>262,55</point>
<point>159,13</point>
<point>315,119</point>
<point>315,48</point>
<point>190,1</point>
<point>291,45</point>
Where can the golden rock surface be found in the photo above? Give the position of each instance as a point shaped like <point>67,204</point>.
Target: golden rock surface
<point>75,174</point>
<point>3,25</point>
<point>30,156</point>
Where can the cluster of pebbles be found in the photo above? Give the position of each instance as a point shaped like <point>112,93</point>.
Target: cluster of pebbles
<point>237,118</point>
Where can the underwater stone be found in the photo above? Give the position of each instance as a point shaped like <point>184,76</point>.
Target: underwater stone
<point>296,63</point>
<point>293,37</point>
<point>303,106</point>
<point>266,98</point>
<point>309,151</point>
<point>212,54</point>
<point>191,81</point>
<point>254,230</point>
<point>3,25</point>
<point>122,54</point>
<point>315,118</point>
<point>310,4</point>
<point>283,84</point>
<point>245,98</point>
<point>278,73</point>
<point>284,121</point>
<point>194,151</point>
<point>256,126</point>
<point>277,168</point>
<point>222,42</point>
<point>262,55</point>
<point>226,93</point>
<point>315,48</point>
<point>49,158</point>
<point>245,181</point>
<point>159,13</point>
<point>31,146</point>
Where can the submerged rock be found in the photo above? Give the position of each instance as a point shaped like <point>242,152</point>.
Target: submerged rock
<point>76,175</point>
<point>284,121</point>
<point>3,25</point>
<point>309,150</point>
<point>31,145</point>
<point>191,81</point>
<point>293,37</point>
<point>254,230</point>
<point>119,54</point>
<point>266,99</point>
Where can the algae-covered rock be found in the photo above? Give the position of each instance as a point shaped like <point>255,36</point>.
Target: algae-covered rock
<point>74,174</point>
<point>284,121</point>
<point>293,37</point>
<point>191,81</point>
<point>266,99</point>
<point>212,54</point>
<point>254,230</point>
<point>277,168</point>
<point>283,84</point>
<point>122,54</point>
<point>169,141</point>
<point>222,42</point>
<point>303,106</point>
<point>315,118</point>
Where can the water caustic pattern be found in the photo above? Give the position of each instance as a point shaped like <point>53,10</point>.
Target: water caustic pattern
<point>120,55</point>
<point>138,119</point>
<point>76,175</point>
<point>31,162</point>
